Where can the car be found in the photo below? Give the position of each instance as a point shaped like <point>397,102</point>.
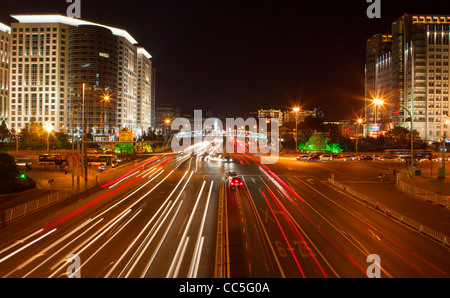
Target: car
<point>326,157</point>
<point>303,157</point>
<point>236,182</point>
<point>366,158</point>
<point>314,158</point>
<point>230,175</point>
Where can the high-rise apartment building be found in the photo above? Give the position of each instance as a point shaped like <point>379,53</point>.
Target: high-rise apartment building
<point>378,81</point>
<point>127,93</point>
<point>93,53</point>
<point>5,37</point>
<point>53,56</point>
<point>144,92</point>
<point>416,77</point>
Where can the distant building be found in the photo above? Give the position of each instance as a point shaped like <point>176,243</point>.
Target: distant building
<point>290,116</point>
<point>271,113</point>
<point>165,114</point>
<point>286,116</point>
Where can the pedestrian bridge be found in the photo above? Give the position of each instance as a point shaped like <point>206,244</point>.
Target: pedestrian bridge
<point>221,133</point>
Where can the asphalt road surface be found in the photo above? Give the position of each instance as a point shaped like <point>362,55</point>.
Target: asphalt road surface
<point>162,219</point>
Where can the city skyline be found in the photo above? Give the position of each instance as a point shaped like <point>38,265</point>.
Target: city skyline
<point>249,55</point>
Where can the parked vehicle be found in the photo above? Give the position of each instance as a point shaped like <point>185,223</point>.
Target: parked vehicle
<point>314,158</point>
<point>326,157</point>
<point>303,157</point>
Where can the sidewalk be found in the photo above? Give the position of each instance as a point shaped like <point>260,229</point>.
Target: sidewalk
<point>430,182</point>
<point>430,214</point>
<point>61,186</point>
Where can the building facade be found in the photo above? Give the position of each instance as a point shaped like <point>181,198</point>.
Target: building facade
<point>418,66</point>
<point>378,81</point>
<point>5,37</point>
<point>93,53</point>
<point>165,114</point>
<point>53,56</point>
<point>272,113</point>
<point>144,110</point>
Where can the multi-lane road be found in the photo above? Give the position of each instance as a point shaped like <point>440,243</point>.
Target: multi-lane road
<point>176,216</point>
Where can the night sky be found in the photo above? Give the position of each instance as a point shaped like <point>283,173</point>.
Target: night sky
<point>238,56</point>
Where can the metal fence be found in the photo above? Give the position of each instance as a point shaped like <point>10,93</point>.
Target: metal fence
<point>424,194</point>
<point>31,206</point>
<point>438,236</point>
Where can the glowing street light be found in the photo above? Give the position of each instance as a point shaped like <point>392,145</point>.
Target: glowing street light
<point>359,122</point>
<point>378,102</point>
<point>296,110</point>
<point>48,127</point>
<point>106,99</point>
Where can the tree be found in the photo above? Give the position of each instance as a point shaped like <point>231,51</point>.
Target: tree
<point>125,135</point>
<point>62,139</point>
<point>8,168</point>
<point>33,135</point>
<point>4,131</point>
<point>399,138</point>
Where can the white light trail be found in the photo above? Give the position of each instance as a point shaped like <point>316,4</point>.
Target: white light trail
<point>177,256</point>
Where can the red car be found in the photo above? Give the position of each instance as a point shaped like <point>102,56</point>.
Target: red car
<point>236,182</point>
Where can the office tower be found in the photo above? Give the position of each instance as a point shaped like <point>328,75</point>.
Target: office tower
<point>127,84</point>
<point>38,85</point>
<point>419,69</point>
<point>54,56</point>
<point>144,92</point>
<point>5,37</point>
<point>93,53</point>
<point>378,82</point>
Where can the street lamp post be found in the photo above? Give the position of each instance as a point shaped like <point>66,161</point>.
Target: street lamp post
<point>106,99</point>
<point>48,127</point>
<point>83,138</point>
<point>296,110</point>
<point>444,148</point>
<point>380,102</point>
<point>360,121</point>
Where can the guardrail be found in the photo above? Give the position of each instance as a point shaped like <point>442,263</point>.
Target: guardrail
<point>31,206</point>
<point>38,204</point>
<point>424,194</point>
<point>438,236</point>
<point>222,266</point>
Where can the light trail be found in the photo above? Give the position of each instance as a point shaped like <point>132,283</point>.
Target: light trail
<point>291,249</point>
<point>24,247</point>
<point>198,245</point>
<point>177,256</point>
<point>289,219</point>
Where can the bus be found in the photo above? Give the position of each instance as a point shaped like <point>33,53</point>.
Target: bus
<point>51,159</point>
<point>102,160</point>
<point>406,153</point>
